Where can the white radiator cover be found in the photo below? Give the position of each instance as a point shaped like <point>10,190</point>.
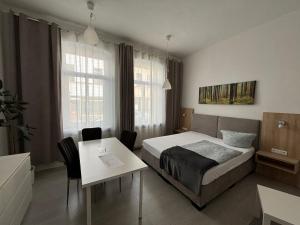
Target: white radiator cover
<point>15,188</point>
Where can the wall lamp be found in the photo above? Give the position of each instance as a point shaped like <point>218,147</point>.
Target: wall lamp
<point>281,124</point>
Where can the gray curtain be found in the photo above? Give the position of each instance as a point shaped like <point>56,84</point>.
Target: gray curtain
<point>11,72</point>
<point>126,87</point>
<point>32,70</point>
<point>173,105</point>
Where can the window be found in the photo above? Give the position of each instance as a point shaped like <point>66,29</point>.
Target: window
<point>87,86</point>
<point>149,97</point>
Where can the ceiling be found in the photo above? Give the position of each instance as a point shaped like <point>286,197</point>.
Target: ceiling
<point>194,24</point>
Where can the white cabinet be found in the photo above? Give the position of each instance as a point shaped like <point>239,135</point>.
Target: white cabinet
<point>15,188</point>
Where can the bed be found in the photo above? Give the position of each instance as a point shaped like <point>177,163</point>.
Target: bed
<point>219,178</point>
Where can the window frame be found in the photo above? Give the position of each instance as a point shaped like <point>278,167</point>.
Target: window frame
<point>105,80</point>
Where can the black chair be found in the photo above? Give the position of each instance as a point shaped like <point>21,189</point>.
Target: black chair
<point>89,134</point>
<point>128,139</point>
<point>70,154</point>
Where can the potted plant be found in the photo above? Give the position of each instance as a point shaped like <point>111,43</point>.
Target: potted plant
<point>11,116</point>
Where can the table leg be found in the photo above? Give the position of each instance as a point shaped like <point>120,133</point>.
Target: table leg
<point>266,220</point>
<point>141,195</point>
<point>258,210</point>
<point>88,206</point>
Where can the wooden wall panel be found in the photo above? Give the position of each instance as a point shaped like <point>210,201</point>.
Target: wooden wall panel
<point>186,118</point>
<point>286,138</point>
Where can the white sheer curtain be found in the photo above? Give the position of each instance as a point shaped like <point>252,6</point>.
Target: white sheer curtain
<point>149,97</point>
<point>88,87</point>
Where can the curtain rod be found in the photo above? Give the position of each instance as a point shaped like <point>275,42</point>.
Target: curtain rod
<point>141,49</point>
<point>62,28</point>
<point>36,20</point>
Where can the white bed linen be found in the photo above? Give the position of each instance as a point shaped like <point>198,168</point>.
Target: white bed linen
<point>157,145</point>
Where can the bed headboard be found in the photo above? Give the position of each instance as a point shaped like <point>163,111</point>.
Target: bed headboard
<point>205,124</point>
<point>240,125</point>
<point>211,125</point>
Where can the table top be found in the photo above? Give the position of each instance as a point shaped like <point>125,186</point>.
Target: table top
<point>106,159</point>
<point>280,205</point>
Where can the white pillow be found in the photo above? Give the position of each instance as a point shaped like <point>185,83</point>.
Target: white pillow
<point>238,139</point>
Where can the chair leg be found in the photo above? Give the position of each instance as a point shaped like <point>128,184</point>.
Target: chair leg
<point>94,188</point>
<point>132,176</point>
<point>120,184</point>
<point>68,190</point>
<point>78,186</point>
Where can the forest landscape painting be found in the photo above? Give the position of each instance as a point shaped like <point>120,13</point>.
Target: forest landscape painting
<point>234,94</point>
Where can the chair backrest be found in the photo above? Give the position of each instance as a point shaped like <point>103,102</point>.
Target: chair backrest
<point>128,139</point>
<point>89,134</point>
<point>70,153</point>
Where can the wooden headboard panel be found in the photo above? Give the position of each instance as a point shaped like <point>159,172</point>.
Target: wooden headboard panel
<point>285,138</point>
<point>186,115</point>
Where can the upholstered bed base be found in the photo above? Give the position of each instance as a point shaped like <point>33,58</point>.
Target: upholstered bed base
<point>212,126</point>
<point>209,191</point>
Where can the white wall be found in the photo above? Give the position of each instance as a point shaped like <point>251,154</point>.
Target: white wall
<point>269,53</point>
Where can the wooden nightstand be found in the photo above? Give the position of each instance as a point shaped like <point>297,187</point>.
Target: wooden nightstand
<point>179,130</point>
<point>277,161</point>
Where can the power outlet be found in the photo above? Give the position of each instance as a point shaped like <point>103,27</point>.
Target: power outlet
<point>279,151</point>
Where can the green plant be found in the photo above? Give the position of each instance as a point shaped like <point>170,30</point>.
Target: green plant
<point>11,116</point>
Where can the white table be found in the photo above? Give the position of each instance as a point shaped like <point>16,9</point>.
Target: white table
<point>279,207</point>
<point>95,169</point>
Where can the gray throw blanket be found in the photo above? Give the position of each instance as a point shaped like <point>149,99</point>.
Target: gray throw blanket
<point>188,163</point>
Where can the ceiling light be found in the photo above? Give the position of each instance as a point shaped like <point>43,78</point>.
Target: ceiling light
<point>90,35</point>
<point>70,36</point>
<point>167,84</point>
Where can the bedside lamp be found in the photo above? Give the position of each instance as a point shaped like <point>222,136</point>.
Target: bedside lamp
<point>281,124</point>
<point>183,115</point>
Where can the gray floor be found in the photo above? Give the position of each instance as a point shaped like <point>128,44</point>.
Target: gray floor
<point>163,204</point>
